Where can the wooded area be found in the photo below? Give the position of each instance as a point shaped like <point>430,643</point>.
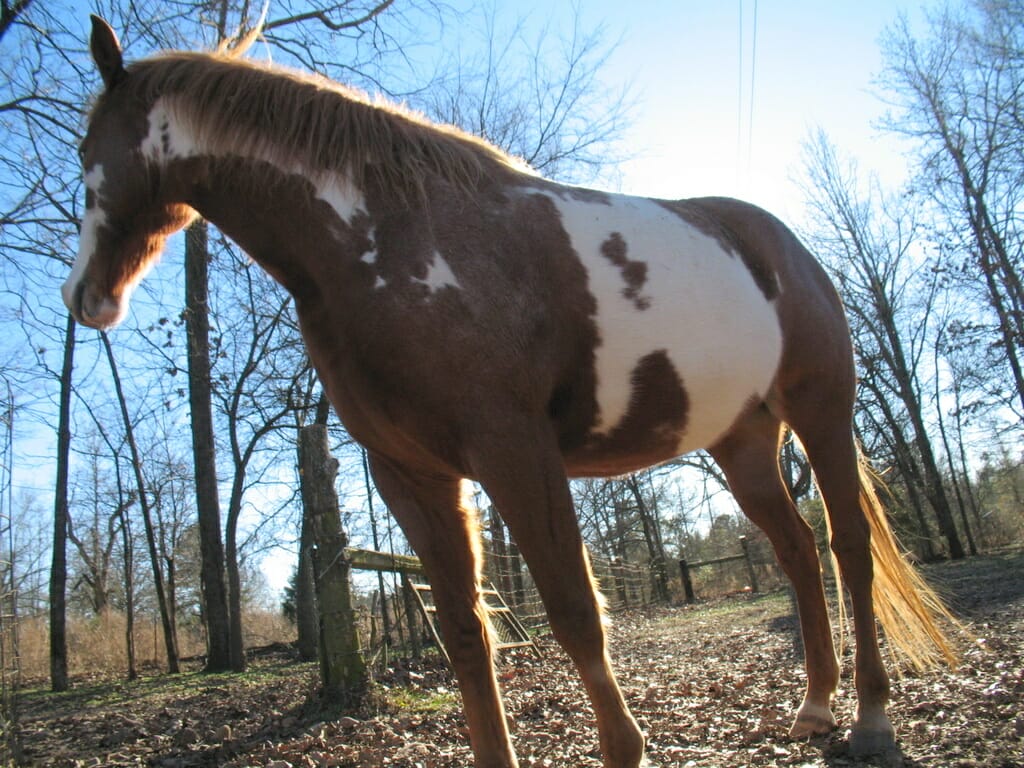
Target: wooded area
<point>161,469</point>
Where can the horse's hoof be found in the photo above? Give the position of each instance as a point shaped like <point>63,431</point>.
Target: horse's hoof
<point>812,721</point>
<point>808,727</point>
<point>865,741</point>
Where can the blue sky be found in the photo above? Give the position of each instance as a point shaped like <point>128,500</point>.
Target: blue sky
<point>691,136</point>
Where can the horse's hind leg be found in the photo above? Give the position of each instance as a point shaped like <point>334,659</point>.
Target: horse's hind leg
<point>447,542</point>
<point>522,472</point>
<point>749,456</point>
<point>827,436</point>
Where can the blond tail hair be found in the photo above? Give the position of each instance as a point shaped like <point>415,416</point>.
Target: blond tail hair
<point>908,609</point>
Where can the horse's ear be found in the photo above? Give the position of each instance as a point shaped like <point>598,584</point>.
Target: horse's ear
<point>106,52</point>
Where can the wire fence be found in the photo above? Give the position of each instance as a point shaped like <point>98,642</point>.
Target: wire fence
<point>392,625</point>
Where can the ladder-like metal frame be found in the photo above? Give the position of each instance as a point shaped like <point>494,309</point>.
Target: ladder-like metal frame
<point>506,629</point>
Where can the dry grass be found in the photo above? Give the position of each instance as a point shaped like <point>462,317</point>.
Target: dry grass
<point>96,646</point>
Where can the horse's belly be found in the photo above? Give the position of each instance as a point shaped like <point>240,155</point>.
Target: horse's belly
<point>673,410</point>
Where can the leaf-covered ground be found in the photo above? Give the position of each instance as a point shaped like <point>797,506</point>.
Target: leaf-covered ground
<point>713,685</point>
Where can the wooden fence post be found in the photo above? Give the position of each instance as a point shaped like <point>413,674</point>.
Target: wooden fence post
<point>684,570</point>
<point>342,667</point>
<point>750,563</point>
<point>410,615</point>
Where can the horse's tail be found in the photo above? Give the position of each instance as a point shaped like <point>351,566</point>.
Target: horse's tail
<point>908,609</point>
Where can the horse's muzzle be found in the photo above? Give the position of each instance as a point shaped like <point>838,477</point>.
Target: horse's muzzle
<point>89,309</point>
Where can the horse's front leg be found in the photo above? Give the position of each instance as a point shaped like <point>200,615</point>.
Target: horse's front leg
<point>523,473</point>
<point>447,542</point>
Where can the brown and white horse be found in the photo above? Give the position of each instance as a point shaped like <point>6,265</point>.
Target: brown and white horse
<point>472,320</point>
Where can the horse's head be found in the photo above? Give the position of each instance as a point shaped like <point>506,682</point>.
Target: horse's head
<point>128,216</point>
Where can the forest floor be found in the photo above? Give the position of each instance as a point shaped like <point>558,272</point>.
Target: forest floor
<point>713,685</point>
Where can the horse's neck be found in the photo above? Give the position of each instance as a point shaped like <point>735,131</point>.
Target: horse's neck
<point>288,223</point>
<point>282,214</point>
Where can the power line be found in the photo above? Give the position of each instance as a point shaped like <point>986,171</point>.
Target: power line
<point>739,91</point>
<point>753,70</point>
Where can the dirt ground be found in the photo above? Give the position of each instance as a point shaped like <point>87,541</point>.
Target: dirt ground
<point>713,685</point>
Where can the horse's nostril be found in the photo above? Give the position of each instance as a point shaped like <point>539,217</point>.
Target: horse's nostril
<point>77,301</point>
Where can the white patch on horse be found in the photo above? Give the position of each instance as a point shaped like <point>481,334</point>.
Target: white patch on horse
<point>168,136</point>
<point>339,193</point>
<point>439,274</point>
<point>702,307</point>
<point>94,218</point>
<point>370,257</point>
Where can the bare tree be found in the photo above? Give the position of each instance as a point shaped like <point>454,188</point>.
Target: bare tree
<point>873,264</point>
<point>170,636</point>
<point>256,396</point>
<point>59,680</point>
<point>958,95</point>
<point>9,12</point>
<point>536,95</point>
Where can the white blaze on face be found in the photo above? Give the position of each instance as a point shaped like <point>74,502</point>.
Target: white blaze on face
<point>703,308</point>
<point>88,237</point>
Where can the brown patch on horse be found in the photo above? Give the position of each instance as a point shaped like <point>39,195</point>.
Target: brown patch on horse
<point>652,427</point>
<point>749,249</point>
<point>633,272</point>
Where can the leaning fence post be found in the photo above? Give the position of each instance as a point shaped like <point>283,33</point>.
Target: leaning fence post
<point>750,563</point>
<point>684,570</point>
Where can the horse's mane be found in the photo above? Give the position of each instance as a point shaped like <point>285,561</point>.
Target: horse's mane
<point>290,118</point>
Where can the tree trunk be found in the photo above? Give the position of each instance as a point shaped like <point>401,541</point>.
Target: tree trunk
<point>385,616</point>
<point>905,460</point>
<point>306,617</point>
<point>170,638</point>
<point>342,668</point>
<point>59,564</point>
<point>129,594</point>
<point>655,555</point>
<point>197,323</point>
<point>934,489</point>
<point>236,639</point>
<point>964,469</point>
<point>305,594</point>
<point>954,481</point>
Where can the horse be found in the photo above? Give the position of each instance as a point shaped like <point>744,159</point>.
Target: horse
<point>471,319</point>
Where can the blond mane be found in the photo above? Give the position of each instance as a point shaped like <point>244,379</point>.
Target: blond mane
<point>289,117</point>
